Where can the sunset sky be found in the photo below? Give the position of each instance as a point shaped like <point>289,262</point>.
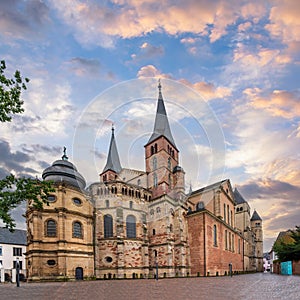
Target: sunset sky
<point>230,80</point>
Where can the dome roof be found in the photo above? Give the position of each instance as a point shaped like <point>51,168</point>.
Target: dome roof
<point>63,170</point>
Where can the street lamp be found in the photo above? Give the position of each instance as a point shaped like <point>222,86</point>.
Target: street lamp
<point>18,272</point>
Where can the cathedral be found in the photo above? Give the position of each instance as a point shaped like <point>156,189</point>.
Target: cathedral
<point>140,224</point>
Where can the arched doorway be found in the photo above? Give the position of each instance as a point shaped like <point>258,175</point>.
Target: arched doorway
<point>79,273</point>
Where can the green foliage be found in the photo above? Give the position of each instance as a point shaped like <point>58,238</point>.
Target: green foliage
<point>288,248</point>
<point>10,94</point>
<point>13,191</point>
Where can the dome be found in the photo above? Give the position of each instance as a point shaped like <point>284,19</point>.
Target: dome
<point>63,170</point>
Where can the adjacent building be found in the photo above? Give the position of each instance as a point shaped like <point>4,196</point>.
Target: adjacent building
<point>141,223</point>
<point>12,249</point>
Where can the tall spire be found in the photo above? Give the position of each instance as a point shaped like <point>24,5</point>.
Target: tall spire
<point>161,125</point>
<point>113,161</point>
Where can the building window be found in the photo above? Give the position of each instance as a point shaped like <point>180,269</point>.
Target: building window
<point>231,221</point>
<point>155,180</point>
<point>107,203</point>
<point>154,163</point>
<point>239,245</point>
<point>51,198</point>
<point>226,245</point>
<point>153,232</point>
<point>215,235</point>
<point>232,242</point>
<point>228,214</point>
<point>17,251</point>
<point>50,228</point>
<point>224,212</point>
<point>130,204</point>
<point>77,201</point>
<point>77,230</point>
<point>139,182</point>
<point>200,205</point>
<point>169,163</point>
<point>0,250</point>
<point>108,226</point>
<point>152,212</point>
<point>130,226</point>
<point>51,262</point>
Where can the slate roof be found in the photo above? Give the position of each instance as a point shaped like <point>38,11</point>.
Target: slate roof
<point>238,197</point>
<point>255,217</point>
<point>113,160</point>
<point>18,237</point>
<point>161,125</point>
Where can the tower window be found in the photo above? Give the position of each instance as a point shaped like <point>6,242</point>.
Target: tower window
<point>169,163</point>
<point>77,230</point>
<point>154,163</point>
<point>130,226</point>
<point>107,203</point>
<point>108,226</point>
<point>154,180</point>
<point>130,204</point>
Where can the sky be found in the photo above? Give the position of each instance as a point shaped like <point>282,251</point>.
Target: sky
<point>230,81</point>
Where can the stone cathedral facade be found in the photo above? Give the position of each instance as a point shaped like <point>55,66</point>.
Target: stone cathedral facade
<point>140,224</point>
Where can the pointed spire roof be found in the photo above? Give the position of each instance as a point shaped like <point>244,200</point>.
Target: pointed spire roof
<point>239,199</point>
<point>255,217</point>
<point>113,161</point>
<point>161,125</point>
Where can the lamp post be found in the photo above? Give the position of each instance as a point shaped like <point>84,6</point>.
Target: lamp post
<point>18,272</point>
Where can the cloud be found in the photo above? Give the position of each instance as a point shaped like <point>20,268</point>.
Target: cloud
<point>281,103</point>
<point>13,162</point>
<point>84,67</point>
<point>147,51</point>
<point>284,21</point>
<point>20,19</point>
<point>97,23</point>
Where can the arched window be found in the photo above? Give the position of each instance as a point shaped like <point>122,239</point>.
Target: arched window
<point>155,148</point>
<point>154,180</point>
<point>154,163</point>
<point>77,230</point>
<point>169,163</point>
<point>215,236</point>
<point>108,226</point>
<point>50,228</point>
<point>130,226</point>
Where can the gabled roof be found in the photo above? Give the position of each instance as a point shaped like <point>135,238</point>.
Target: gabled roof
<point>113,160</point>
<point>238,197</point>
<point>161,125</point>
<point>255,217</point>
<point>209,187</point>
<point>18,237</point>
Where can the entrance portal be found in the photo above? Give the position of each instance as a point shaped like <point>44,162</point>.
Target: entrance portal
<point>79,273</point>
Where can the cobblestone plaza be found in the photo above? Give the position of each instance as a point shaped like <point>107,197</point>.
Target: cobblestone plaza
<point>253,286</point>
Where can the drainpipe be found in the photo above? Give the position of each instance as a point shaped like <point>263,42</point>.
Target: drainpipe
<point>204,243</point>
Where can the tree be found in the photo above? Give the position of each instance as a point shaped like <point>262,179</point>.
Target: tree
<point>10,94</point>
<point>13,190</point>
<point>288,247</point>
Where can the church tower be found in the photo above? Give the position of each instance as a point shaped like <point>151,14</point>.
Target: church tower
<point>256,226</point>
<point>162,156</point>
<point>113,165</point>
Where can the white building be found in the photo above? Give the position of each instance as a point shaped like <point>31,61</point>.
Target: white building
<point>12,247</point>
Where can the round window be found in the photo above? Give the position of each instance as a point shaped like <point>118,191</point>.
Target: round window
<point>51,262</point>
<point>77,201</point>
<point>108,259</point>
<point>51,198</point>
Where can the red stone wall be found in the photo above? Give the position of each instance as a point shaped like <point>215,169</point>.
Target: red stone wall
<point>205,255</point>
